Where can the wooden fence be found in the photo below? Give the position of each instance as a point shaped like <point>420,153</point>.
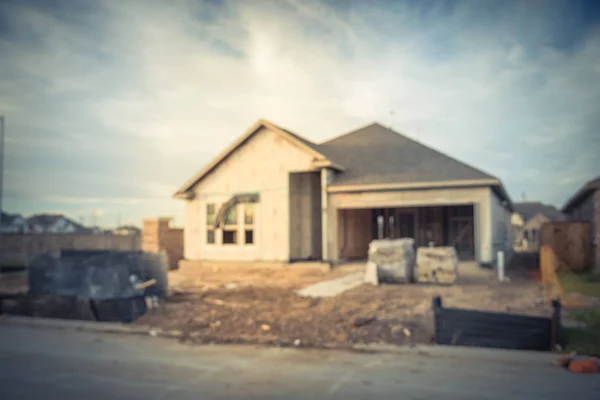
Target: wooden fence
<point>570,242</point>
<point>21,248</point>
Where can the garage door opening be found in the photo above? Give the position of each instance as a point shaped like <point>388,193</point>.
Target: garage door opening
<point>440,226</point>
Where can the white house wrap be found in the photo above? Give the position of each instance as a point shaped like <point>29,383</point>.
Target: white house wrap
<point>395,259</point>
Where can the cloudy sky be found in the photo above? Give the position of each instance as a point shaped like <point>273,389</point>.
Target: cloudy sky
<point>111,105</point>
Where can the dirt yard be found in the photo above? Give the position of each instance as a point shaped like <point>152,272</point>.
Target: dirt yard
<point>231,305</point>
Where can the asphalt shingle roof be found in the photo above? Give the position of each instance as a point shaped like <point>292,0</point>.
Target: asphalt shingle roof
<point>375,154</point>
<point>47,220</point>
<point>582,194</point>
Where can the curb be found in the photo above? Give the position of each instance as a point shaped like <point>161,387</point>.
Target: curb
<point>87,326</point>
<point>478,353</point>
<point>423,350</point>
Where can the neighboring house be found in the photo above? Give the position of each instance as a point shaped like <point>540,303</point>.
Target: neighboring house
<point>96,230</point>
<point>12,223</point>
<point>126,230</point>
<point>585,206</point>
<point>527,221</point>
<point>53,223</point>
<point>275,196</point>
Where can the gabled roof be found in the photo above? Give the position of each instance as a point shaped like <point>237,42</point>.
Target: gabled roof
<point>47,220</point>
<point>9,219</point>
<point>44,220</point>
<point>375,154</point>
<point>530,209</point>
<point>294,138</point>
<point>581,194</point>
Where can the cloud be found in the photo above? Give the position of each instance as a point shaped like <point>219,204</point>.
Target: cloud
<point>126,100</point>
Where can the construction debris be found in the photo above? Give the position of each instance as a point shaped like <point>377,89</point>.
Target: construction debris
<point>437,265</point>
<point>231,285</point>
<point>582,364</point>
<point>361,321</point>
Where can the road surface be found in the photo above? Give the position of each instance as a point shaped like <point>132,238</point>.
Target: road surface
<point>66,364</point>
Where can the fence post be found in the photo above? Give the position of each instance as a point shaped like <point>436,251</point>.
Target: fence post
<point>557,331</point>
<point>436,305</point>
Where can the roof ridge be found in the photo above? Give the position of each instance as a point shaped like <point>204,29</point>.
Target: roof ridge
<point>310,146</point>
<point>288,131</point>
<point>350,132</point>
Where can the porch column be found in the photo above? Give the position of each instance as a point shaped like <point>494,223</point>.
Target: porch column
<point>324,215</point>
<point>477,232</point>
<point>483,231</point>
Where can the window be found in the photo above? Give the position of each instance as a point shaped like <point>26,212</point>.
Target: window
<point>229,236</point>
<point>249,223</point>
<point>231,216</point>
<point>210,223</point>
<point>231,226</point>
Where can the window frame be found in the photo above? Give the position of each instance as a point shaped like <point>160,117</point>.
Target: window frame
<point>228,227</point>
<point>249,227</point>
<point>207,226</point>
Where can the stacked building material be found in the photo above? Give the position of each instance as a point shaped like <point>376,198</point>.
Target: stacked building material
<point>437,264</point>
<point>390,261</point>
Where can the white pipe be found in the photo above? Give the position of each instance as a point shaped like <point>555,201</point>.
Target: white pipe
<point>380,222</point>
<point>500,266</point>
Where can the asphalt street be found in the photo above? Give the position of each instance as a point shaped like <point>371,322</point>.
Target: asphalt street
<point>43,363</point>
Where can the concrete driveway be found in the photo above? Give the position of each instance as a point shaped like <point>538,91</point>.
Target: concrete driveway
<point>38,363</point>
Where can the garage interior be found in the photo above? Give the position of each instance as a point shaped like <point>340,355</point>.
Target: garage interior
<point>439,225</point>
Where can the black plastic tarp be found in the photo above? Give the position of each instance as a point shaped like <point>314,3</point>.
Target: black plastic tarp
<point>98,274</point>
<point>74,307</point>
<point>462,327</point>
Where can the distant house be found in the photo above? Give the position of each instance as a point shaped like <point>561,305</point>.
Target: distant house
<point>126,230</point>
<point>13,223</point>
<point>584,205</point>
<point>54,223</point>
<point>527,220</point>
<point>273,196</point>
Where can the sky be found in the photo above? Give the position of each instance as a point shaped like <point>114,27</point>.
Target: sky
<point>110,106</point>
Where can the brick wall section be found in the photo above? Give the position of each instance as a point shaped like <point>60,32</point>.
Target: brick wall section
<point>157,236</point>
<point>16,247</point>
<point>596,231</point>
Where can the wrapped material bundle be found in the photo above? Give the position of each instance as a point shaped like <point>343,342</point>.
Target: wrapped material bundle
<point>437,264</point>
<point>393,260</point>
